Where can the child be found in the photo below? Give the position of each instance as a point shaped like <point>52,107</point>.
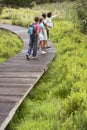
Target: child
<point>45,44</point>
<point>34,40</point>
<point>42,36</point>
<point>49,22</point>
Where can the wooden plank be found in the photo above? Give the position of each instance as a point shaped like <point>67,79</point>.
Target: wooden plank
<point>9,98</point>
<point>21,70</point>
<point>21,67</point>
<point>18,80</point>
<point>20,74</point>
<point>11,85</point>
<point>12,91</point>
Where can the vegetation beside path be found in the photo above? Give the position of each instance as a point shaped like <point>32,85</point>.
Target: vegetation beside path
<point>10,45</point>
<point>59,100</point>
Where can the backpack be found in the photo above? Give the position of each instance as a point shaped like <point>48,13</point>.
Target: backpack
<point>32,30</point>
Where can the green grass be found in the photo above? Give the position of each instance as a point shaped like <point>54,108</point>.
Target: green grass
<point>24,16</point>
<point>10,45</point>
<point>59,100</point>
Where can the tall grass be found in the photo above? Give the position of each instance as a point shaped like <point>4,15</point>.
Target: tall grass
<point>10,44</point>
<point>59,100</point>
<point>24,17</point>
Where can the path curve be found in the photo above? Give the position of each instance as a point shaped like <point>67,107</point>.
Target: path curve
<point>18,75</point>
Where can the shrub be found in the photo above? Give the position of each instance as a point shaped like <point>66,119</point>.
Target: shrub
<point>0,10</point>
<point>81,8</point>
<point>32,4</point>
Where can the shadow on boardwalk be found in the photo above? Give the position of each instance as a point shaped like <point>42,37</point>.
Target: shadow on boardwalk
<point>18,76</point>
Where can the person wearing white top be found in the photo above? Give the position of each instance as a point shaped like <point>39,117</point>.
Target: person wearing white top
<point>45,44</point>
<point>49,22</point>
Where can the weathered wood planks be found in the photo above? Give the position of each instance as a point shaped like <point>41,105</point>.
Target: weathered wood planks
<point>18,75</point>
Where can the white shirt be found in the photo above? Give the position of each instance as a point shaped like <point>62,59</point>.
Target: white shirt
<point>49,23</point>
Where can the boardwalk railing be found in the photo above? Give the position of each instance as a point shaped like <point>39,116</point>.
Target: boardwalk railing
<point>18,76</point>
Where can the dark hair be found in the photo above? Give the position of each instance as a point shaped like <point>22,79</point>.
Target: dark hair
<point>36,19</point>
<point>44,15</point>
<point>41,20</point>
<point>49,14</point>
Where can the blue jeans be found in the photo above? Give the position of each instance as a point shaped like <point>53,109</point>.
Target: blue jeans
<point>33,45</point>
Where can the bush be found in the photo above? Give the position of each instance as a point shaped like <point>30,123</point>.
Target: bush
<point>29,3</point>
<point>32,4</point>
<point>0,10</point>
<point>16,2</point>
<point>81,8</point>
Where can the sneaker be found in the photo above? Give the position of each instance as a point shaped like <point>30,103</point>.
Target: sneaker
<point>28,56</point>
<point>34,57</point>
<point>48,47</point>
<point>43,52</point>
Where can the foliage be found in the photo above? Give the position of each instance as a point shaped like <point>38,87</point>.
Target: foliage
<point>28,3</point>
<point>33,4</point>
<point>16,2</point>
<point>59,100</point>
<point>9,45</point>
<point>0,10</point>
<point>24,17</point>
<point>81,8</point>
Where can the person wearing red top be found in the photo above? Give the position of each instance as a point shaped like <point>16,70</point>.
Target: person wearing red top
<point>33,45</point>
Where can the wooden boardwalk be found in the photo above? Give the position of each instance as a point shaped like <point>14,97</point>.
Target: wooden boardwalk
<point>18,75</point>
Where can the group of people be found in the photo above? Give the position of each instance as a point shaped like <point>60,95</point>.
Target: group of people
<point>39,41</point>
